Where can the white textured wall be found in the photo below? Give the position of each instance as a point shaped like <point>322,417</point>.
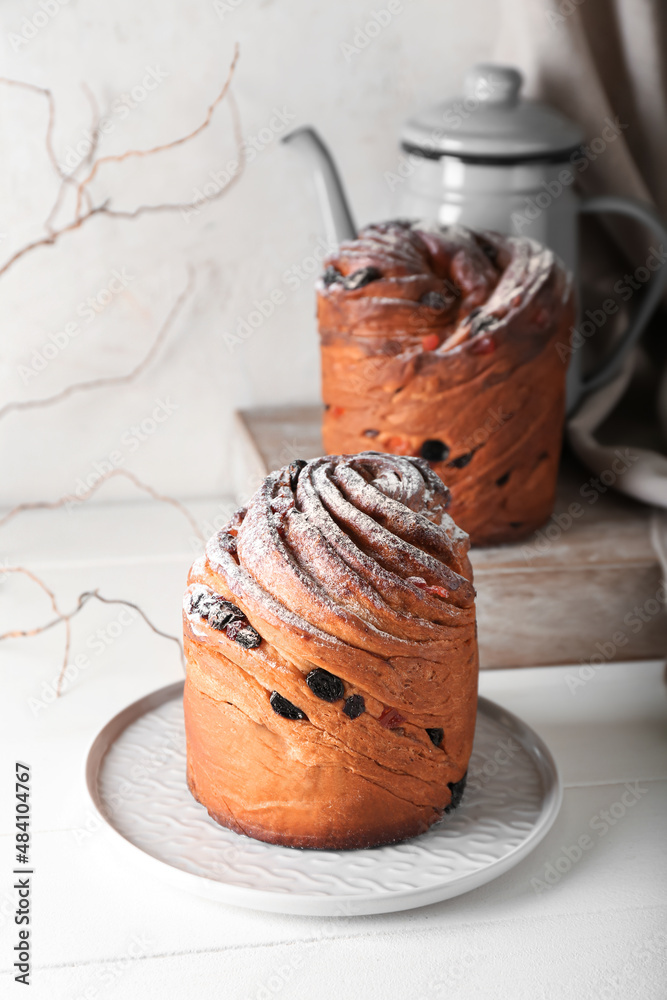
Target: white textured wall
<point>293,59</point>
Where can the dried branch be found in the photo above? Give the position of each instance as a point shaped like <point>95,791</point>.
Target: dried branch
<point>40,583</point>
<point>101,383</point>
<point>53,235</point>
<point>188,206</point>
<point>71,498</point>
<point>70,179</point>
<point>36,631</point>
<point>44,92</point>
<point>90,594</point>
<point>119,157</point>
<point>45,241</point>
<point>94,126</point>
<point>66,618</point>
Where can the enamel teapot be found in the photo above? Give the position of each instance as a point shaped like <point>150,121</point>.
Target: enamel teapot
<point>491,159</point>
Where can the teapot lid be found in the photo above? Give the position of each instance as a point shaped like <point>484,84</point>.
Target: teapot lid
<point>491,123</point>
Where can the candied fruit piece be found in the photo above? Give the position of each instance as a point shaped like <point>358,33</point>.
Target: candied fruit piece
<point>391,718</point>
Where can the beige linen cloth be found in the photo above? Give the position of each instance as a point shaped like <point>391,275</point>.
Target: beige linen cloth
<point>594,59</point>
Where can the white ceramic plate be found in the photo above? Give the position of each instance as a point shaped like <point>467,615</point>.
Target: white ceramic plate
<point>135,774</point>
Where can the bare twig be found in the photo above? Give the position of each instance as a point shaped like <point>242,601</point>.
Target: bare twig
<point>94,126</point>
<point>40,583</point>
<point>119,157</point>
<point>53,235</point>
<point>102,383</point>
<point>66,618</point>
<point>84,211</point>
<point>70,179</point>
<point>45,92</point>
<point>36,631</point>
<point>188,206</point>
<point>89,594</point>
<point>71,498</point>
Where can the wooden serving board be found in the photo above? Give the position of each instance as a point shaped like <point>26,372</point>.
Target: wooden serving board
<point>565,595</point>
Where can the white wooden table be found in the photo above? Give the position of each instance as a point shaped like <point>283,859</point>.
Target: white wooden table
<point>106,928</point>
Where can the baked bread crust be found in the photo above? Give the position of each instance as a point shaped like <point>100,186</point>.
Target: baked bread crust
<point>334,706</point>
<point>442,342</point>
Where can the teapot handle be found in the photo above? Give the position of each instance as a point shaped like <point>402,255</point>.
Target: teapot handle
<point>646,214</point>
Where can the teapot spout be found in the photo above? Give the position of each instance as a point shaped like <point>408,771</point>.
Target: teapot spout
<point>336,215</point>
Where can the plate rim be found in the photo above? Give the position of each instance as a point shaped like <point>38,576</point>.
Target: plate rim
<point>278,901</point>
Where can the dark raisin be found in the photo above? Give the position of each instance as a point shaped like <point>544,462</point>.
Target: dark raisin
<point>434,300</point>
<point>326,686</point>
<point>362,277</point>
<point>281,706</point>
<point>457,788</point>
<point>370,433</point>
<point>490,251</point>
<point>331,275</point>
<point>294,470</point>
<point>434,450</point>
<point>471,315</point>
<point>461,461</point>
<point>354,706</point>
<point>243,633</point>
<point>516,524</point>
<point>222,613</point>
<point>501,480</point>
<point>436,736</point>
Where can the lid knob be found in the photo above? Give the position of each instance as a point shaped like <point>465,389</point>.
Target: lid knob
<point>493,85</point>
